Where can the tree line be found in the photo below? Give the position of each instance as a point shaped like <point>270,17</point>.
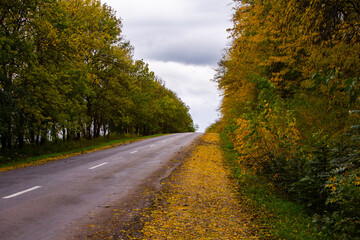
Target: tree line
<point>66,72</point>
<point>290,83</point>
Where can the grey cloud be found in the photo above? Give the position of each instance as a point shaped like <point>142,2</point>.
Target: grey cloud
<point>185,55</point>
<point>192,84</point>
<point>182,40</point>
<point>188,31</point>
<point>188,45</point>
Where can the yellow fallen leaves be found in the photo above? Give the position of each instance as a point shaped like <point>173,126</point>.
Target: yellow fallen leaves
<point>198,200</point>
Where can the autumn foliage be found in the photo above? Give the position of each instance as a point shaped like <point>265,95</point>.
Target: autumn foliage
<point>290,83</point>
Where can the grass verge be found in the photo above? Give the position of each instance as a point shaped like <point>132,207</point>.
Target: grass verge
<point>277,217</point>
<point>77,148</point>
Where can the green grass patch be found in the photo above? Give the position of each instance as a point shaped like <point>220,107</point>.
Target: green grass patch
<point>276,216</point>
<point>59,150</point>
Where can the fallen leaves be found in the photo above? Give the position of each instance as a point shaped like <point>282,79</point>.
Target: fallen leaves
<point>198,201</point>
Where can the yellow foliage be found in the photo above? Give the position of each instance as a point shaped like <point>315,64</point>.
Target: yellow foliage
<point>331,185</point>
<point>274,135</point>
<point>356,182</point>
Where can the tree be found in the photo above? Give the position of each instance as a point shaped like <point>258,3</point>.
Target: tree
<point>290,78</point>
<point>66,72</point>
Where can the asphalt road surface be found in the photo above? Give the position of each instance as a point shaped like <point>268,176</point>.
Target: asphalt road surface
<point>42,202</point>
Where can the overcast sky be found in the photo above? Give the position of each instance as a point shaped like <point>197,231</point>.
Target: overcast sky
<point>182,41</point>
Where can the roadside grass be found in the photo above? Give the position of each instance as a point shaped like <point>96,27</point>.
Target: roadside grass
<point>277,217</point>
<point>60,150</point>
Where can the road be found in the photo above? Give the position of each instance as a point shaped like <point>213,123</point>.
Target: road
<point>42,202</point>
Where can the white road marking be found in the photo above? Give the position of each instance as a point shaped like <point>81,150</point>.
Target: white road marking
<point>152,146</point>
<point>98,165</point>
<point>22,192</point>
<point>134,152</point>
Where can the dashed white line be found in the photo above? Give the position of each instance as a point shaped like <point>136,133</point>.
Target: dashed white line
<point>98,165</point>
<point>152,146</point>
<point>134,152</point>
<point>22,192</point>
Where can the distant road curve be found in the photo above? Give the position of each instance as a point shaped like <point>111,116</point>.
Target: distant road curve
<point>42,202</point>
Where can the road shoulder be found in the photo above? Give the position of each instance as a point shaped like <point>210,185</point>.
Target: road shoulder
<point>124,217</point>
<point>198,201</point>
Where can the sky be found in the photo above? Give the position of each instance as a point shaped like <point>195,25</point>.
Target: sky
<point>182,41</point>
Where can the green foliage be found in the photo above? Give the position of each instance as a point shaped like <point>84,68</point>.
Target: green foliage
<point>67,73</point>
<point>330,185</point>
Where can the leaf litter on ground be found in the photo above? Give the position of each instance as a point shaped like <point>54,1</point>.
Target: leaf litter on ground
<point>198,201</point>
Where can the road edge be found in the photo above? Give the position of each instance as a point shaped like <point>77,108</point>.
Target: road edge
<point>62,156</point>
<point>123,218</point>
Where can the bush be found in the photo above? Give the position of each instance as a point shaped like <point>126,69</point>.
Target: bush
<point>322,173</point>
<point>330,186</point>
<point>267,138</point>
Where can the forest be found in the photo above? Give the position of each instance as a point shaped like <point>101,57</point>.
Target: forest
<point>290,84</point>
<point>67,73</point>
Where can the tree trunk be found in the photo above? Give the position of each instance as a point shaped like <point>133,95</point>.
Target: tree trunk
<point>98,130</point>
<point>9,143</point>
<point>20,140</point>
<point>37,139</point>
<point>95,127</point>
<point>32,135</point>
<point>88,127</point>
<point>54,134</point>
<point>43,136</point>
<point>108,131</point>
<point>3,142</point>
<point>64,134</point>
<point>89,114</point>
<point>68,133</point>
